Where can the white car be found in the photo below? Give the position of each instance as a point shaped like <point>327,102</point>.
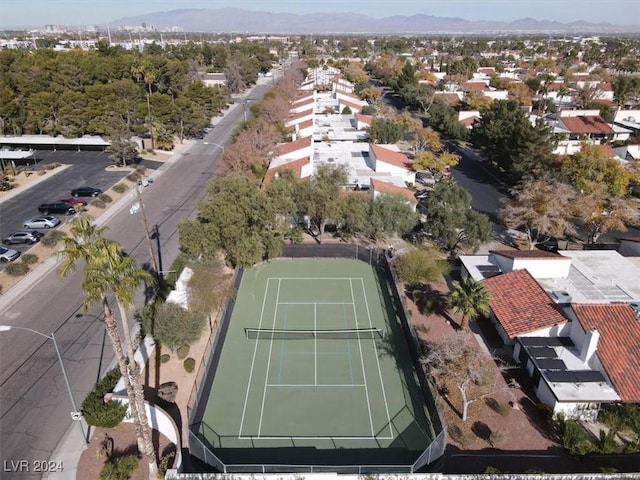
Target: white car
<point>44,221</point>
<point>8,254</point>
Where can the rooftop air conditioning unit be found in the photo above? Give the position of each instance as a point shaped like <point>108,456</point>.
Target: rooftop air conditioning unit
<point>630,119</point>
<point>561,297</point>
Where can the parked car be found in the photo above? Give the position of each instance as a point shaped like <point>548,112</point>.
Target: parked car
<point>85,192</point>
<point>8,255</point>
<point>45,221</point>
<point>23,236</point>
<point>74,202</point>
<point>56,207</point>
<point>422,194</point>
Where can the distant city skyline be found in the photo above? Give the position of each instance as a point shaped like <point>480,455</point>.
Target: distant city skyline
<point>99,12</point>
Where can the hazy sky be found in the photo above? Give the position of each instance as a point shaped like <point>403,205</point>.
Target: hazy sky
<point>99,12</point>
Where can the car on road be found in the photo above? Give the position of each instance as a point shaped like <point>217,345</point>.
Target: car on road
<point>85,192</point>
<point>8,255</point>
<point>23,236</point>
<point>74,202</point>
<point>45,221</point>
<point>56,207</point>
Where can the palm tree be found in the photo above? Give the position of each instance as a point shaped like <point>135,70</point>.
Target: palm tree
<point>110,271</point>
<point>144,72</point>
<point>470,298</point>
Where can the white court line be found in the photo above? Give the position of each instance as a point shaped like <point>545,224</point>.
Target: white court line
<point>364,374</point>
<point>315,438</point>
<point>375,348</point>
<point>266,378</point>
<point>303,385</point>
<point>255,351</point>
<point>315,278</point>
<point>314,303</point>
<point>315,346</point>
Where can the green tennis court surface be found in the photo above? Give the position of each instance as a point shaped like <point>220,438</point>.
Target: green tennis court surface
<point>314,368</point>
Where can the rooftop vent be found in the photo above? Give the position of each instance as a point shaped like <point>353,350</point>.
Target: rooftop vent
<point>561,297</point>
<point>636,308</point>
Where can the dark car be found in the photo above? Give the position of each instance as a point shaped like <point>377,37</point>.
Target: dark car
<point>85,192</point>
<point>73,201</point>
<point>23,236</point>
<point>56,207</point>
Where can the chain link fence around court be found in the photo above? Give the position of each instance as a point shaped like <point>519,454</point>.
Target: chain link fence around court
<point>376,257</point>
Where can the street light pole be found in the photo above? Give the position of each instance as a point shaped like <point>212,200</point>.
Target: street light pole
<point>75,413</point>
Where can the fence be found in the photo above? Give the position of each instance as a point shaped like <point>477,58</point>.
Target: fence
<point>200,447</point>
<point>211,357</point>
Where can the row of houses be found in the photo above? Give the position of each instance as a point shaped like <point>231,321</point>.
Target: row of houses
<point>321,137</point>
<point>571,319</point>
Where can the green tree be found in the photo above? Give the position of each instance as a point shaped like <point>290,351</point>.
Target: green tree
<point>122,149</point>
<point>383,131</point>
<point>237,218</point>
<point>445,119</point>
<point>452,220</point>
<point>176,327</point>
<point>108,271</point>
<point>145,72</point>
<point>320,199</point>
<point>469,298</point>
<point>390,214</point>
<point>509,141</point>
<point>420,265</point>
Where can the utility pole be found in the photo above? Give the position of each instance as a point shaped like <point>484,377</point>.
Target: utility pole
<point>154,262</point>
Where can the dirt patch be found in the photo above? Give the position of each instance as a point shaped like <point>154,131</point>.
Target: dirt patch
<point>121,440</point>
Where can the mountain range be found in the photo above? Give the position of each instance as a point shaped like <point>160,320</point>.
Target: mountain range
<point>233,20</point>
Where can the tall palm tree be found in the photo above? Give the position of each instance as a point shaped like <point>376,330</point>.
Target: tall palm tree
<point>470,298</point>
<point>110,271</point>
<point>144,72</point>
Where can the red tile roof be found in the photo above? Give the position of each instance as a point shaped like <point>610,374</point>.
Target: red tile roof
<point>348,95</point>
<point>469,121</point>
<point>384,187</point>
<point>474,87</point>
<point>305,124</point>
<point>520,304</point>
<point>366,119</point>
<point>289,147</point>
<point>619,344</point>
<point>554,86</point>
<point>586,124</point>
<point>389,156</point>
<point>303,102</point>
<point>351,105</point>
<point>297,116</point>
<point>529,254</point>
<point>295,166</point>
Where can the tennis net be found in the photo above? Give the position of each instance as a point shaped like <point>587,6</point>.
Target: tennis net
<point>274,334</point>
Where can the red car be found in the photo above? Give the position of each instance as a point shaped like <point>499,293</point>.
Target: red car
<point>73,201</point>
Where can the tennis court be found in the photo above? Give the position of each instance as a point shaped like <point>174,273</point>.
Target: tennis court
<point>314,362</point>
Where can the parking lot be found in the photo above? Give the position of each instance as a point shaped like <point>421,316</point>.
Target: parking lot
<point>85,168</point>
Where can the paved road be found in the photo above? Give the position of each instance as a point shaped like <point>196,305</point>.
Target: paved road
<point>34,406</point>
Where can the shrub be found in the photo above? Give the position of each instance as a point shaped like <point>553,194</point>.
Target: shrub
<point>133,177</point>
<point>165,357</point>
<point>41,172</point>
<point>5,186</point>
<point>189,365</point>
<point>105,198</point>
<point>140,169</point>
<point>504,409</point>
<point>346,110</point>
<point>51,166</point>
<point>16,269</point>
<point>99,203</point>
<point>174,326</point>
<point>183,351</point>
<point>52,238</point>
<point>119,468</point>
<point>165,462</point>
<point>573,437</point>
<point>120,188</point>
<point>29,258</point>
<point>99,413</point>
<point>607,442</point>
